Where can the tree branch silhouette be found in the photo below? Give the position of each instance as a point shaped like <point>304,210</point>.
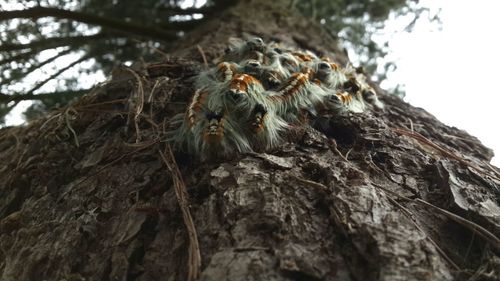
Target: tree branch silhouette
<point>39,85</point>
<point>5,98</point>
<point>35,67</point>
<point>114,24</point>
<point>54,42</point>
<point>19,57</point>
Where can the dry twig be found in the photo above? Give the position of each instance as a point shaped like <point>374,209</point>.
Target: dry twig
<point>182,198</point>
<point>479,230</point>
<point>443,151</point>
<point>472,226</point>
<point>414,221</point>
<point>205,62</point>
<point>68,125</point>
<point>315,185</point>
<point>139,104</point>
<point>332,144</point>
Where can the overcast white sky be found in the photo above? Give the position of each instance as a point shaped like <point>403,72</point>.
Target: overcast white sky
<point>452,72</point>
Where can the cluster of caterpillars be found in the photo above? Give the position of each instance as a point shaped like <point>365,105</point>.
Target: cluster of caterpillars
<point>258,92</point>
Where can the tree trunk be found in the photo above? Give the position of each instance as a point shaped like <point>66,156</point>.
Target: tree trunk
<point>86,192</point>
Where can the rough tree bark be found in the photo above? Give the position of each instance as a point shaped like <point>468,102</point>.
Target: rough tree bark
<point>85,193</point>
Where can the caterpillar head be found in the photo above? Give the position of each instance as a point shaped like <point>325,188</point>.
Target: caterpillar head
<point>352,86</point>
<point>334,103</point>
<point>256,44</point>
<point>278,50</point>
<point>258,118</point>
<point>369,95</point>
<point>252,67</point>
<point>237,96</point>
<point>239,50</point>
<point>273,55</point>
<point>324,66</point>
<point>228,50</point>
<point>324,71</point>
<point>214,130</point>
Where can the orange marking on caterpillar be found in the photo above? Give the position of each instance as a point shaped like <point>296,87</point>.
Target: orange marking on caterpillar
<point>308,72</point>
<point>293,86</point>
<point>344,97</point>
<point>241,82</point>
<point>226,70</point>
<point>334,66</point>
<point>302,56</point>
<point>195,106</point>
<point>297,81</point>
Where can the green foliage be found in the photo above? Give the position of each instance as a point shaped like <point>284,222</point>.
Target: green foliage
<point>35,47</point>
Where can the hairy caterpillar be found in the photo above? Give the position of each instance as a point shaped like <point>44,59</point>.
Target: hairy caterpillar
<point>239,50</point>
<point>217,136</point>
<point>332,103</point>
<point>329,74</point>
<point>183,136</point>
<point>351,102</point>
<point>290,62</point>
<point>243,93</point>
<point>292,96</point>
<point>298,92</point>
<point>264,128</point>
<point>304,57</point>
<point>367,91</point>
<point>195,107</point>
<point>249,101</point>
<point>272,73</point>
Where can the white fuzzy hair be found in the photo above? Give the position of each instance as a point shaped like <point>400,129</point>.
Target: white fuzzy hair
<point>248,101</point>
